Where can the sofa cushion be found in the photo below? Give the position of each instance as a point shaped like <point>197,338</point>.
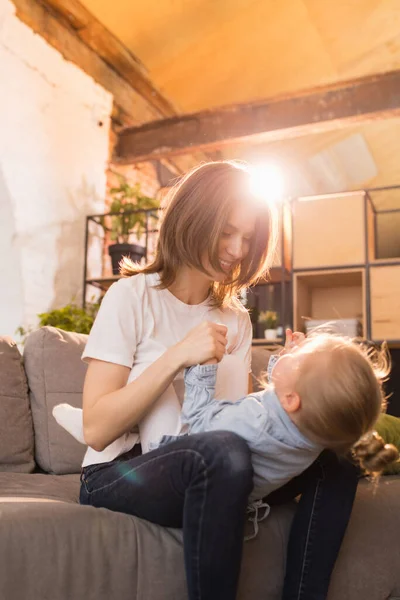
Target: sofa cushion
<point>97,553</point>
<point>55,374</point>
<point>67,551</point>
<point>369,559</point>
<point>39,486</point>
<point>16,428</point>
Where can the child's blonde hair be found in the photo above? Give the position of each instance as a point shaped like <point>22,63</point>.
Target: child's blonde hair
<point>340,384</point>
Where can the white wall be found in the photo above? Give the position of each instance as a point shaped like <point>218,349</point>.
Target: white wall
<point>53,156</point>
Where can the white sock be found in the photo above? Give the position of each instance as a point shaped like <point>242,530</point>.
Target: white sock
<point>71,419</point>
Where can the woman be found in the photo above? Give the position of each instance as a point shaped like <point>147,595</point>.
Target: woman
<point>215,239</point>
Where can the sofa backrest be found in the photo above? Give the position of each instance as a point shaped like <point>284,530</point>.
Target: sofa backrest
<point>259,361</point>
<point>55,372</point>
<point>16,427</point>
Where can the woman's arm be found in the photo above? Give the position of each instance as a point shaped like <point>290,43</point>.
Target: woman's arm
<point>111,408</point>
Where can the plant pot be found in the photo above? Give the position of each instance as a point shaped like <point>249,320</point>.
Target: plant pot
<point>270,334</point>
<point>132,251</point>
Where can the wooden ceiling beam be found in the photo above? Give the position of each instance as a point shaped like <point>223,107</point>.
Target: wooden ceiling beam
<point>63,39</point>
<point>99,39</point>
<point>80,38</point>
<point>311,111</point>
<point>74,31</point>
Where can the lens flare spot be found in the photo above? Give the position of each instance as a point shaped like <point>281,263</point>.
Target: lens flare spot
<point>129,474</point>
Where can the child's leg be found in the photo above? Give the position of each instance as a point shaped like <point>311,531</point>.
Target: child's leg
<point>163,418</point>
<point>71,419</point>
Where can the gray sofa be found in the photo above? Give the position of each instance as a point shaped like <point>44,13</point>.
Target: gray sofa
<point>51,548</point>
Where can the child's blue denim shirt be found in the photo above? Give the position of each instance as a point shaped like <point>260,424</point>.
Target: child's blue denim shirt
<point>279,450</point>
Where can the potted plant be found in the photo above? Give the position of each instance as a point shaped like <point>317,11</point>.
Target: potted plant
<point>269,321</point>
<point>70,317</point>
<point>127,218</point>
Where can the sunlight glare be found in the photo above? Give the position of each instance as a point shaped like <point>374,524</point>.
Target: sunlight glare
<point>267,183</point>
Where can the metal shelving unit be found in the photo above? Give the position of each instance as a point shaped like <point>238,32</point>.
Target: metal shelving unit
<point>279,284</point>
<point>372,210</point>
<point>282,276</point>
<point>375,207</point>
<point>103,282</point>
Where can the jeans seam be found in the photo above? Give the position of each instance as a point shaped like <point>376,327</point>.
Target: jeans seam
<point>143,465</point>
<point>307,540</point>
<point>85,486</point>
<point>200,527</point>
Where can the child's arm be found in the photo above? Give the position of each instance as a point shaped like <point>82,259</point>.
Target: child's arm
<point>292,340</point>
<point>202,412</point>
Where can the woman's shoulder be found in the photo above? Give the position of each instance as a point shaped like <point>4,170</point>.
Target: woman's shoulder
<point>125,300</point>
<point>237,311</point>
<point>135,284</point>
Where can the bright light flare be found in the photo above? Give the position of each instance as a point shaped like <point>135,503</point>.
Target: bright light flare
<point>266,183</point>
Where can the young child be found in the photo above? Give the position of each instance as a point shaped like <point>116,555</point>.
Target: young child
<point>325,392</point>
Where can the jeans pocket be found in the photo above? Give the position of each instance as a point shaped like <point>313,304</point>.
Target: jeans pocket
<point>91,477</point>
<point>84,494</point>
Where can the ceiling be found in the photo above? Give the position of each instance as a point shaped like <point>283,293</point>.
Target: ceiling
<point>207,53</point>
<point>306,159</point>
<point>204,53</point>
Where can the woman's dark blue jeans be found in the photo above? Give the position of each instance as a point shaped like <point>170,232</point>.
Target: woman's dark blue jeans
<point>328,488</point>
<point>200,483</point>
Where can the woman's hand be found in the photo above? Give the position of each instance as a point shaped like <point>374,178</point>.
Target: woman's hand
<point>204,343</point>
<point>293,339</point>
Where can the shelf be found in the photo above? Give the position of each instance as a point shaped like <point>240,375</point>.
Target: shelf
<point>103,283</point>
<point>386,261</point>
<point>328,295</point>
<point>96,258</point>
<point>276,275</point>
<point>329,231</point>
<point>385,302</point>
<point>265,342</point>
<point>392,344</point>
<point>386,230</point>
<point>385,198</point>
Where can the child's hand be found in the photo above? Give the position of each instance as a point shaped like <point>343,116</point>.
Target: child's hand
<point>293,339</point>
<point>207,341</point>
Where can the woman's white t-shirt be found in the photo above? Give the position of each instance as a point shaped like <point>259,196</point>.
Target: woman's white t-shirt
<point>135,325</point>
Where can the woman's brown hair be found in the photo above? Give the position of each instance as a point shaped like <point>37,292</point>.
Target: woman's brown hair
<point>196,211</point>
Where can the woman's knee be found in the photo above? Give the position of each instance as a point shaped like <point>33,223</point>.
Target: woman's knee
<point>228,457</point>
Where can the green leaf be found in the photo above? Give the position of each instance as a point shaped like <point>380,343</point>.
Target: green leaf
<point>70,318</point>
<point>125,198</point>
